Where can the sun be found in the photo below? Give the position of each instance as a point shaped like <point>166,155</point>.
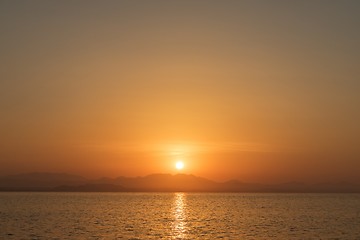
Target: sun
<point>179,165</point>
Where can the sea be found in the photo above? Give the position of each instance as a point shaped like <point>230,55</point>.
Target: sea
<point>36,215</point>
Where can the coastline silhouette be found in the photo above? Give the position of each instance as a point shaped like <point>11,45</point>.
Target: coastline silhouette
<point>62,182</point>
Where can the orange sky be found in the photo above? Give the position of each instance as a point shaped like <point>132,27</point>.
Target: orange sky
<point>258,91</point>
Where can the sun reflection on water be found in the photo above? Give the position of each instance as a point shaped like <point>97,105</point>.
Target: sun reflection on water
<point>179,226</point>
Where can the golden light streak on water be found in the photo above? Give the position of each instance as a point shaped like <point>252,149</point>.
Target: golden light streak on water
<point>179,226</point>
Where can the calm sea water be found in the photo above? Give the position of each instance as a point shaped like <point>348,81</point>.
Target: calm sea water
<point>179,216</point>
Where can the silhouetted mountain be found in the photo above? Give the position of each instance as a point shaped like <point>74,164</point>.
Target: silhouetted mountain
<point>91,188</point>
<point>163,182</point>
<point>155,183</point>
<point>167,182</point>
<point>39,181</point>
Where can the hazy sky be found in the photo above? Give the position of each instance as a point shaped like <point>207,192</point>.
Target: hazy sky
<point>253,90</point>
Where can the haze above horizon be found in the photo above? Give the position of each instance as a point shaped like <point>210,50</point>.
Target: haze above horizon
<point>261,91</point>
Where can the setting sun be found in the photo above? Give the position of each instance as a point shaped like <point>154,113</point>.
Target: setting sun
<point>180,119</point>
<point>179,165</point>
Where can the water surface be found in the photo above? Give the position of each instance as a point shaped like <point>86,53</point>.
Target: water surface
<point>179,216</point>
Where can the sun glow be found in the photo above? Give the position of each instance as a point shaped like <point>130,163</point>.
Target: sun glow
<point>179,165</point>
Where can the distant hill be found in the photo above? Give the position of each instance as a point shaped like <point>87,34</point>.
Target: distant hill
<point>62,182</point>
<point>90,188</point>
<point>39,181</point>
<point>164,182</point>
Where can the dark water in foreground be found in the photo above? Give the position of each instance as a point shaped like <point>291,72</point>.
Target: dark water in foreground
<point>179,216</point>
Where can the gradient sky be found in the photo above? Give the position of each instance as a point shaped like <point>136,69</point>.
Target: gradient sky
<point>253,90</point>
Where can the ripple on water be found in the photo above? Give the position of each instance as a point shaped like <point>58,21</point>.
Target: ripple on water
<point>178,216</point>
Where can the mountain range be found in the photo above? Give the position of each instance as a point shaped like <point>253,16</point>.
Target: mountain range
<point>62,182</point>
